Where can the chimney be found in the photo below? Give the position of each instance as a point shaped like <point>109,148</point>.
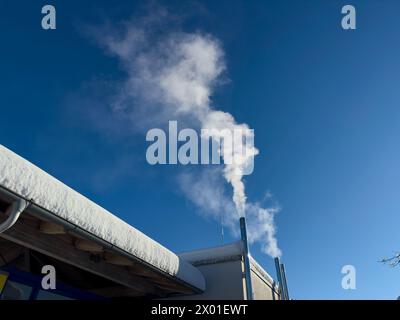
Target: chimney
<point>284,281</point>
<point>243,233</point>
<point>279,275</point>
<point>280,272</point>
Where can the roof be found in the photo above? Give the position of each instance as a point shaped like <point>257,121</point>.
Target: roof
<point>31,183</point>
<point>229,252</point>
<point>256,267</point>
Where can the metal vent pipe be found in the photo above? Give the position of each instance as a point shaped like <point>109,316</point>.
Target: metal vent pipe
<point>247,271</point>
<point>285,287</point>
<point>279,275</point>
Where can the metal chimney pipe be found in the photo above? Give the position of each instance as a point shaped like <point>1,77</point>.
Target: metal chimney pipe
<point>247,271</point>
<point>279,275</point>
<point>284,281</point>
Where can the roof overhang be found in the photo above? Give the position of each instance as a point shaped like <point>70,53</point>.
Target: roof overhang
<point>67,226</point>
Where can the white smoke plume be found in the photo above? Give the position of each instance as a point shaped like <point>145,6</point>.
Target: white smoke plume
<point>206,190</point>
<point>172,76</point>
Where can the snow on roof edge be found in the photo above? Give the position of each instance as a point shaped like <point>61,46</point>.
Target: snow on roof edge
<point>257,267</point>
<point>31,182</point>
<point>227,252</point>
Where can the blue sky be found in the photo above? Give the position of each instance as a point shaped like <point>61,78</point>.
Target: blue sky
<point>324,104</point>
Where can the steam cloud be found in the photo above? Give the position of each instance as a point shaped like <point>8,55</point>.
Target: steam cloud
<point>172,76</point>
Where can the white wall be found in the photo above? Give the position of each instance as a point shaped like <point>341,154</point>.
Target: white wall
<point>225,280</point>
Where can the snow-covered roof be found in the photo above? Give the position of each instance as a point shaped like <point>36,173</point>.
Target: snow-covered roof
<point>229,252</point>
<point>32,183</point>
<point>256,267</point>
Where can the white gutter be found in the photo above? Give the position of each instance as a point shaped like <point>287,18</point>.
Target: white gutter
<point>13,212</point>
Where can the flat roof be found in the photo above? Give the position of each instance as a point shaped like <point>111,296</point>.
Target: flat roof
<point>229,252</point>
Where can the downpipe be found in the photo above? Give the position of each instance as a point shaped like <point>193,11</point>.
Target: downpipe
<point>13,211</point>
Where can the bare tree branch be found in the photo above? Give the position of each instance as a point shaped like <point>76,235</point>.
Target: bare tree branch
<point>393,261</point>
